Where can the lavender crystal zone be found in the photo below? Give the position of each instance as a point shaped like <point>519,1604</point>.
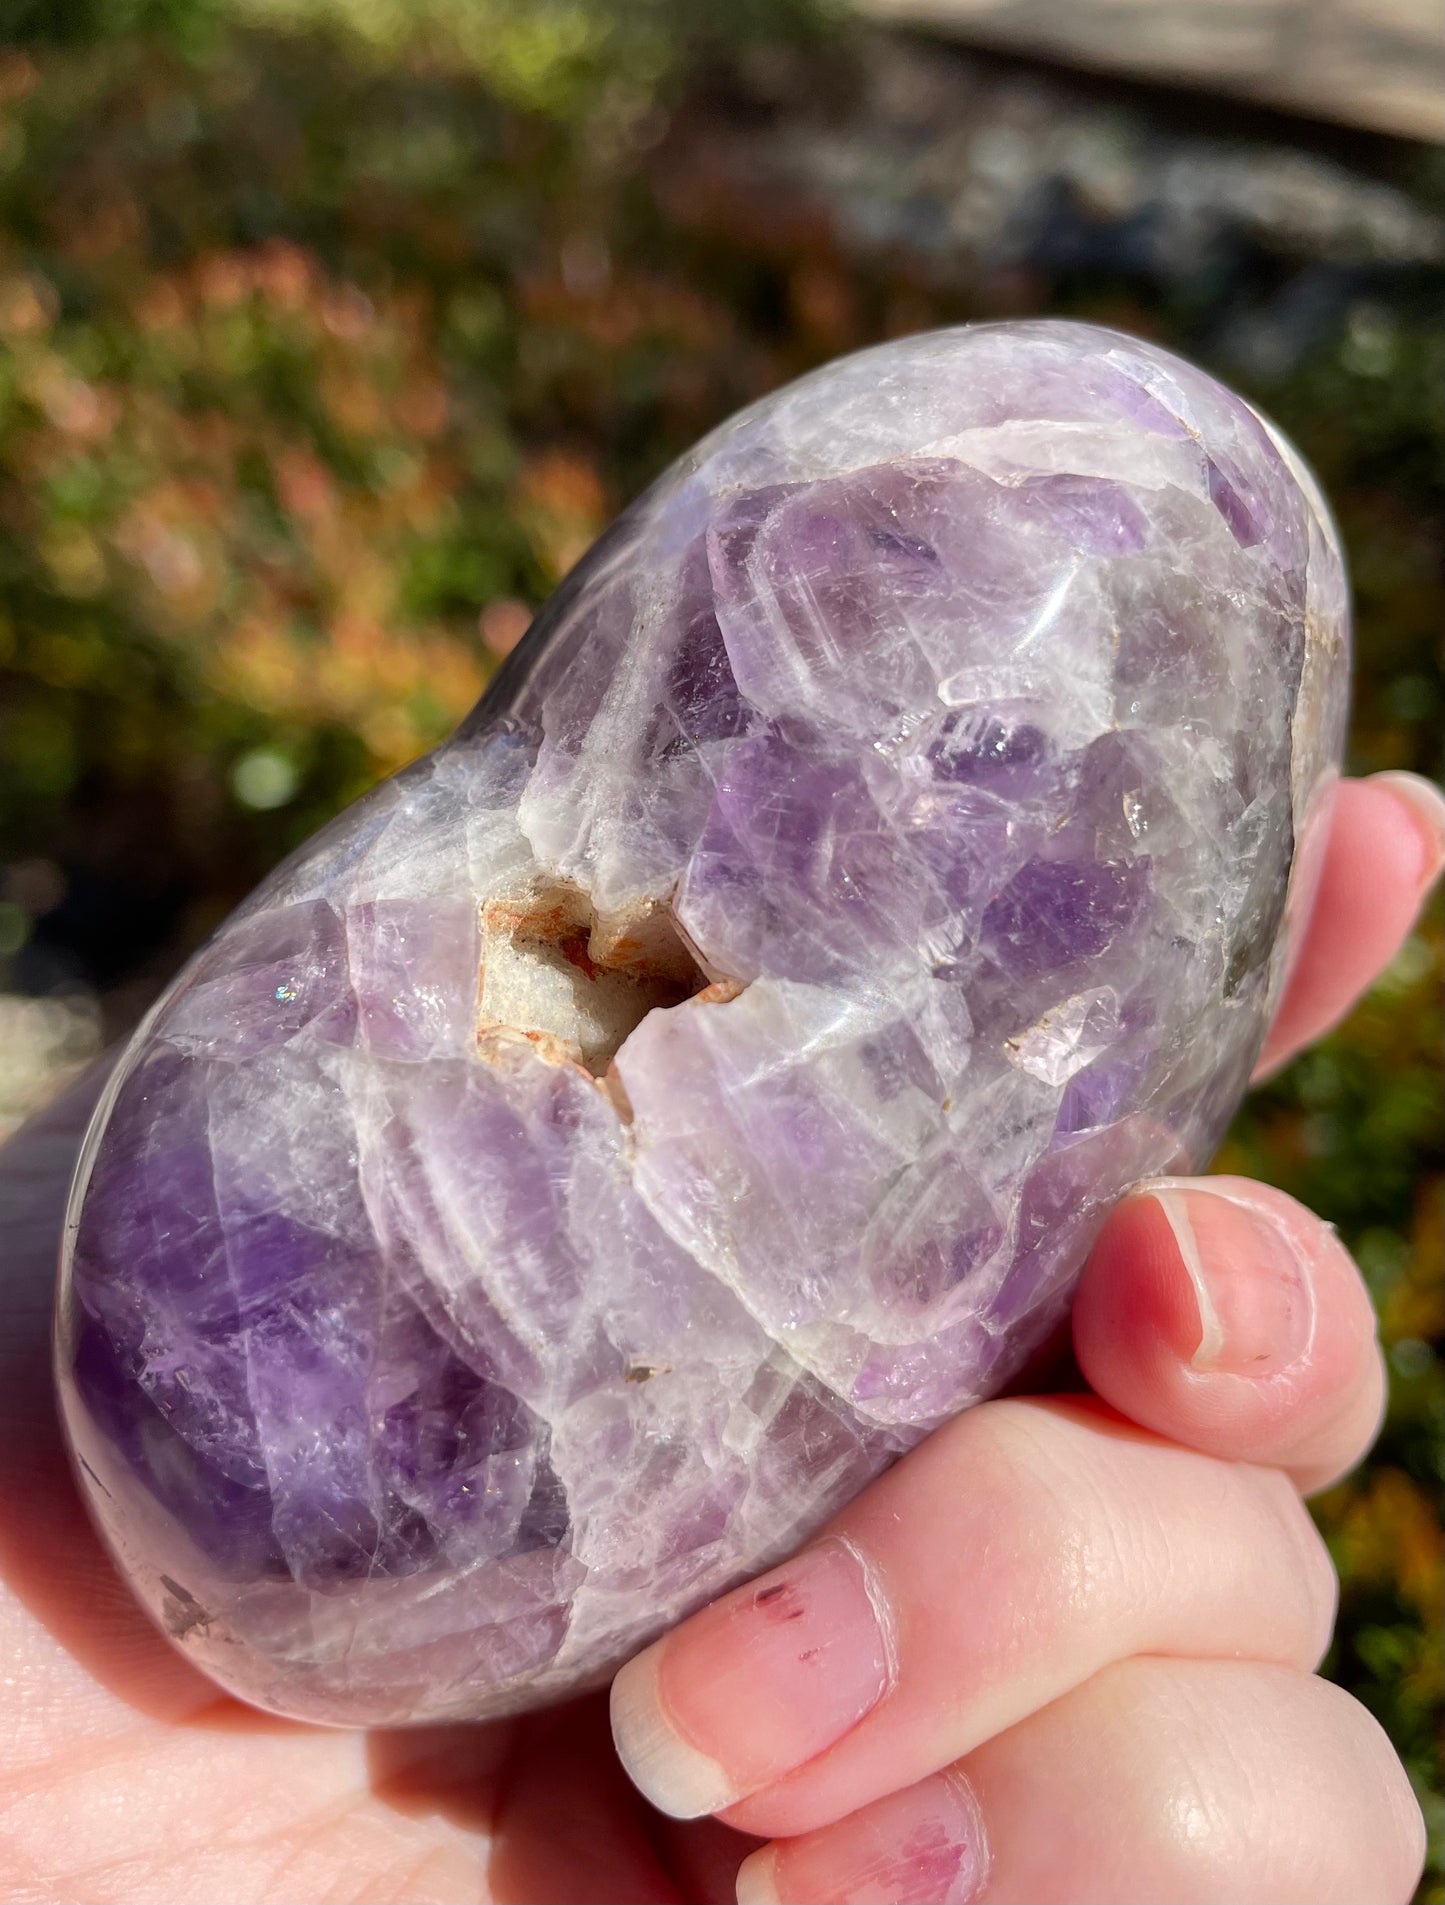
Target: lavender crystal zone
<point>571,1177</point>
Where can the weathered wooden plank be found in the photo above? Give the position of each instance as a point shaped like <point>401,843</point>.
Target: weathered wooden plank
<point>1376,63</point>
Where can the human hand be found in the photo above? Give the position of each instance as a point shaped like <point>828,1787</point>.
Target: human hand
<point>1052,1655</point>
<point>1111,1631</point>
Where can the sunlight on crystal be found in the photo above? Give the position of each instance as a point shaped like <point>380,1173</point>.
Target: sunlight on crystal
<point>1067,1037</point>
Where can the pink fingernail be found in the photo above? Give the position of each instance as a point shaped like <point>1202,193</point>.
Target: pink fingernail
<point>1251,1283</point>
<point>923,1846</point>
<point>763,1680</point>
<point>1426,806</point>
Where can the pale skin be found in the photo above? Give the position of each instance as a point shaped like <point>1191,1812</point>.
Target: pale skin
<point>1064,1651</point>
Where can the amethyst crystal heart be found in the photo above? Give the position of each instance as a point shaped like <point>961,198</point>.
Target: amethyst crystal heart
<point>573,1175</point>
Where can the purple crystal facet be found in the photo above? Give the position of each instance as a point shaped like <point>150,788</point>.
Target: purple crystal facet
<point>587,1163</point>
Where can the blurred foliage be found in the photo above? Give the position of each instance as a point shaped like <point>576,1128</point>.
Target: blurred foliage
<point>331,332</point>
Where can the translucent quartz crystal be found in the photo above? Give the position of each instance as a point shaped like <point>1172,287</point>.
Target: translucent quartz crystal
<point>584,1165</point>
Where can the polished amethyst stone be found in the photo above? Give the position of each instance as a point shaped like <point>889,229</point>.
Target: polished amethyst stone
<point>574,1174</point>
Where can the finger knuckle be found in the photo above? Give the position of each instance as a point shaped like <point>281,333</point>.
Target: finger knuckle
<point>1095,1561</point>
<point>1384,1799</point>
<point>1317,1799</point>
<point>1306,1572</point>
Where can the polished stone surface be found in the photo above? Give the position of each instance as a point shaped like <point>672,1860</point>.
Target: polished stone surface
<point>584,1165</point>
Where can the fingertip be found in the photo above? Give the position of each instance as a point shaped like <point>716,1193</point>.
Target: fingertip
<point>1423,805</point>
<point>1385,848</point>
<point>757,1878</point>
<point>1248,1275</point>
<point>667,1769</point>
<point>925,1841</point>
<point>1222,1314</point>
<point>752,1686</point>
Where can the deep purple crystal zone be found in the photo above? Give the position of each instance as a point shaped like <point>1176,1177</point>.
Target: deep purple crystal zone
<point>579,1170</point>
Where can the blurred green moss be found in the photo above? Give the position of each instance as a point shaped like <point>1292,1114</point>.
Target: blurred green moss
<point>330,335</point>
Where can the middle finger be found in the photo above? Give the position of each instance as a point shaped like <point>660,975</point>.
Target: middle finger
<point>1015,1553</point>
